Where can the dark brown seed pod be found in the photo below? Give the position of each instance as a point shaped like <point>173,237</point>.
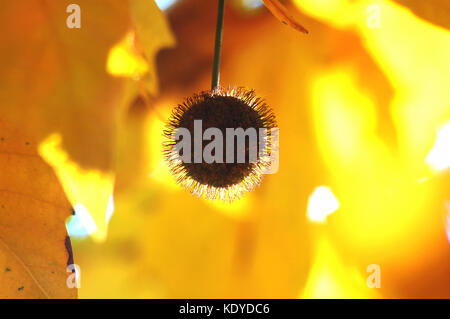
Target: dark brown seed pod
<point>221,109</point>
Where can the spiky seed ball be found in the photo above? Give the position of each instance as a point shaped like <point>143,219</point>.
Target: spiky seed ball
<point>232,108</point>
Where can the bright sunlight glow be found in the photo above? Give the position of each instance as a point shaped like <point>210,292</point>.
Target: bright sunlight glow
<point>321,203</point>
<point>439,156</point>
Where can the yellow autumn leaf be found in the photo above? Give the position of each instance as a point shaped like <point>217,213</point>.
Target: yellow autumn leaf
<point>35,251</point>
<point>56,82</point>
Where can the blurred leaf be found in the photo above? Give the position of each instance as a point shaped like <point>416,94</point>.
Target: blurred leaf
<point>434,11</point>
<point>34,247</point>
<point>282,14</point>
<point>53,79</point>
<point>54,83</point>
<point>153,32</point>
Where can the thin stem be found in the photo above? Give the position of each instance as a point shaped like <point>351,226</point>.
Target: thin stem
<point>218,46</point>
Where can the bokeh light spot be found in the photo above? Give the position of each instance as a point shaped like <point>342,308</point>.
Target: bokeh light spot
<point>321,203</point>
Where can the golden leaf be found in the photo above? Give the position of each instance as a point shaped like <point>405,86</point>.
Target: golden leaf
<point>34,248</point>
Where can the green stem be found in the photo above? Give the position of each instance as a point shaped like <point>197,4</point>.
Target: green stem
<point>217,46</point>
